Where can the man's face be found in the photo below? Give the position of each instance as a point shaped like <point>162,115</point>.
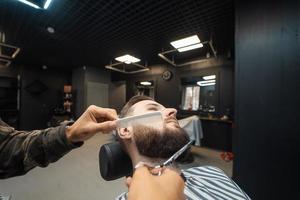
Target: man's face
<point>169,114</point>
<point>158,142</point>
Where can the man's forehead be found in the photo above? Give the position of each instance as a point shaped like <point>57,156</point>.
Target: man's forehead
<point>146,103</point>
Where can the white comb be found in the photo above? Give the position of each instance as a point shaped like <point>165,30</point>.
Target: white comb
<point>148,119</point>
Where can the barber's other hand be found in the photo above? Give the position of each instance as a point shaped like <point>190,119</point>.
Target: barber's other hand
<point>145,186</point>
<point>93,120</point>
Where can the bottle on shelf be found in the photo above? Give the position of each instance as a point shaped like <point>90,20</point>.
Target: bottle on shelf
<point>68,99</point>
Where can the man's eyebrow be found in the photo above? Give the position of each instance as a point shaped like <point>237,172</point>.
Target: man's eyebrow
<point>153,104</point>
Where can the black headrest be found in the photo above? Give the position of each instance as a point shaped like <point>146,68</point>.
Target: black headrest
<point>114,162</point>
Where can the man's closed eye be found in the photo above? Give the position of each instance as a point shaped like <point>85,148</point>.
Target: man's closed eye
<point>152,109</point>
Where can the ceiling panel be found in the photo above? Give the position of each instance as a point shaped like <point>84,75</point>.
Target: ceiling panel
<point>93,32</point>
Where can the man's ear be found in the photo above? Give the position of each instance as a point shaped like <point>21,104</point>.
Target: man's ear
<point>125,133</point>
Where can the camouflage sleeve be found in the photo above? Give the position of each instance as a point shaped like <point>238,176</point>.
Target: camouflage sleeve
<point>21,151</point>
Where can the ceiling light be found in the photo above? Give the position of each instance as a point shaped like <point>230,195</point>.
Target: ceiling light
<point>37,4</point>
<point>185,42</point>
<point>128,59</point>
<point>209,77</point>
<point>29,4</point>
<point>46,5</point>
<point>50,29</point>
<point>209,81</point>
<point>195,46</point>
<point>145,83</point>
<point>205,83</point>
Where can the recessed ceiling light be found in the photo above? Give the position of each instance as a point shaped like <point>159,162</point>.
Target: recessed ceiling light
<point>50,29</point>
<point>185,42</point>
<point>46,5</point>
<point>209,77</point>
<point>37,4</point>
<point>128,59</point>
<point>145,83</point>
<point>206,83</point>
<point>194,46</point>
<point>209,81</point>
<point>29,4</point>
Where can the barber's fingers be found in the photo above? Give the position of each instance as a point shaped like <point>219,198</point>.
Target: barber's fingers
<point>141,172</point>
<point>172,175</point>
<point>128,181</point>
<point>156,171</point>
<point>105,127</point>
<point>167,175</point>
<point>100,113</point>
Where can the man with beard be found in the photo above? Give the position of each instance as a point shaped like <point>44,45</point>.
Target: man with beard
<point>152,145</point>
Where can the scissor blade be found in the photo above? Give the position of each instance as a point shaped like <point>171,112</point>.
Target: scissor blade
<point>177,154</point>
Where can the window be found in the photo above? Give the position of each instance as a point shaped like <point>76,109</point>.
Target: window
<point>190,98</point>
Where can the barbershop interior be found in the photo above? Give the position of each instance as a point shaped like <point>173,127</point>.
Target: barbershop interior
<point>228,68</point>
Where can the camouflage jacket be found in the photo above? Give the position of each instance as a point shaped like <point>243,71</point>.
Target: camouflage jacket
<point>21,151</point>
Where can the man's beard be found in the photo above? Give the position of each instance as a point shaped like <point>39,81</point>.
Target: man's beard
<point>156,143</point>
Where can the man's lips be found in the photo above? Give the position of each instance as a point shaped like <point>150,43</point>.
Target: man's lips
<point>171,120</point>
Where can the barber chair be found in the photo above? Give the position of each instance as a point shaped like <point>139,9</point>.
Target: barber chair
<point>114,162</point>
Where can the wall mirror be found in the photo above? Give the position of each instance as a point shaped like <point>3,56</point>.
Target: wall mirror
<point>199,93</point>
<point>146,88</point>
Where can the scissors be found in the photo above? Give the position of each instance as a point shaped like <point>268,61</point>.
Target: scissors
<point>175,156</point>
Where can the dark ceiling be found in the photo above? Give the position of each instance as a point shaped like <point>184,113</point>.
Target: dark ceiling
<point>93,32</point>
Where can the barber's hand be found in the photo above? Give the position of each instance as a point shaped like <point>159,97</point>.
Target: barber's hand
<point>145,186</point>
<point>92,121</point>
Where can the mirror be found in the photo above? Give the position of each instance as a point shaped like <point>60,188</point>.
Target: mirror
<point>146,88</point>
<point>199,93</point>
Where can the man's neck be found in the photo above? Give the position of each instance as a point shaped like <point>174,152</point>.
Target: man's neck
<point>150,161</point>
<point>136,158</point>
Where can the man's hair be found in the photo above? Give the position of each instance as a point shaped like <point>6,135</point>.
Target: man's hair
<point>126,110</point>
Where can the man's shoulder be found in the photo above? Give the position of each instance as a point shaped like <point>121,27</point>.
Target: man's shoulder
<point>205,167</point>
<point>209,181</point>
<point>203,170</point>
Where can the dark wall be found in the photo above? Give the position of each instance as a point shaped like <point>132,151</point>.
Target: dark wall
<point>267,98</point>
<point>37,109</point>
<point>80,77</point>
<point>168,92</point>
<point>117,95</point>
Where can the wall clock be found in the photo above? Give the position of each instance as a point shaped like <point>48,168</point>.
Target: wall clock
<point>167,75</point>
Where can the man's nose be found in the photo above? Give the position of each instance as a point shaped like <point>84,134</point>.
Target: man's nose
<point>169,112</point>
